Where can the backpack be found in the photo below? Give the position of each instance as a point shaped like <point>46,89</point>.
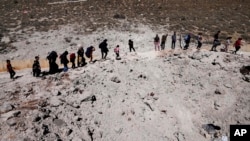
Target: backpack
<point>101,45</point>
<point>63,58</point>
<point>72,57</point>
<point>52,55</point>
<point>88,52</point>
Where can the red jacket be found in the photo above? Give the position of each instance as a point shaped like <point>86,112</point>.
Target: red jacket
<point>237,43</point>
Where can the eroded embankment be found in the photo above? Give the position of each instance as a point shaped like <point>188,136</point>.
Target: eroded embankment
<point>23,64</point>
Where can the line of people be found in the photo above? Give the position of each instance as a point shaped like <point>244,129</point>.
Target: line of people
<point>81,61</point>
<point>80,58</point>
<point>227,43</point>
<point>199,40</point>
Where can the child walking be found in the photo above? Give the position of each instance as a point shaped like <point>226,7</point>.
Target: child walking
<point>117,51</point>
<point>10,69</point>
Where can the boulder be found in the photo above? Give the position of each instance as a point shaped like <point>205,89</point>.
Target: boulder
<point>115,79</point>
<point>119,16</point>
<point>6,107</point>
<point>11,122</point>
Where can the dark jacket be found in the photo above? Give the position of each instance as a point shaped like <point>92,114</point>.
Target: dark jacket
<point>52,56</point>
<point>80,52</point>
<point>64,59</point>
<point>156,39</point>
<point>163,38</point>
<point>104,46</point>
<point>130,43</point>
<point>36,65</point>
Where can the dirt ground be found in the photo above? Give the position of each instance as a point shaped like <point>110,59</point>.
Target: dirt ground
<point>232,17</point>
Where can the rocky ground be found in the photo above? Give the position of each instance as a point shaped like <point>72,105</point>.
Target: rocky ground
<point>173,96</point>
<point>207,16</point>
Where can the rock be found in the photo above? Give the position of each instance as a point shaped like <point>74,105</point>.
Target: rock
<point>118,130</point>
<point>115,79</point>
<point>45,129</point>
<point>73,44</point>
<point>27,42</point>
<point>179,136</point>
<point>176,53</point>
<point>42,103</point>
<point>55,102</point>
<point>152,94</point>
<point>211,128</point>
<point>37,119</point>
<point>119,16</point>
<point>68,39</point>
<point>59,93</point>
<point>142,76</point>
<point>216,106</point>
<point>246,78</point>
<point>45,111</point>
<point>68,132</point>
<point>245,70</point>
<point>228,85</point>
<point>6,39</point>
<point>196,56</point>
<point>59,122</point>
<point>6,107</point>
<point>219,137</point>
<point>218,91</point>
<point>78,118</point>
<point>75,105</point>
<point>204,134</point>
<point>17,113</point>
<point>181,56</point>
<point>11,122</point>
<point>199,55</point>
<point>76,82</point>
<point>217,134</point>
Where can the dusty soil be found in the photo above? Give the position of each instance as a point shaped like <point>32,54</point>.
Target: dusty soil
<point>207,16</point>
<point>164,96</point>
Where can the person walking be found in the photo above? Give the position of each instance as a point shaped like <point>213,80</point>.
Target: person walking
<point>187,39</point>
<point>163,41</point>
<point>173,40</point>
<point>117,51</point>
<point>157,42</point>
<point>10,69</point>
<point>53,67</point>
<point>104,48</point>
<point>216,41</point>
<point>72,58</point>
<point>237,45</point>
<point>180,40</point>
<point>199,40</point>
<point>64,61</point>
<point>80,56</point>
<point>131,45</point>
<point>89,53</point>
<point>227,44</point>
<point>36,68</point>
